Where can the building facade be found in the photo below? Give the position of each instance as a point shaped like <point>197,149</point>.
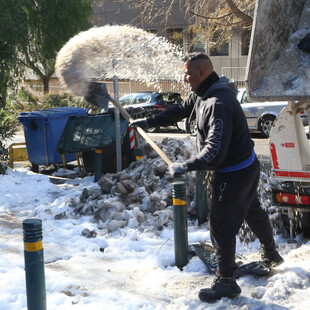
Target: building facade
<point>230,59</point>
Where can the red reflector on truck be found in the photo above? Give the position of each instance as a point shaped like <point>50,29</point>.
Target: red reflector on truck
<point>292,199</point>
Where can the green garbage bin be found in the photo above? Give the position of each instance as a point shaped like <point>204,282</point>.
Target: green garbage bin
<point>92,132</point>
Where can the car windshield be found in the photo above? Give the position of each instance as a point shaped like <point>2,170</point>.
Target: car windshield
<point>171,97</point>
<point>242,96</point>
<point>142,98</point>
<point>127,99</point>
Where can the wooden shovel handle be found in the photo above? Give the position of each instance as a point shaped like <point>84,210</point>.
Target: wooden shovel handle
<point>156,148</point>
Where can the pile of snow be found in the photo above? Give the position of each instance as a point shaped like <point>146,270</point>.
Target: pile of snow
<point>109,245</point>
<point>139,196</point>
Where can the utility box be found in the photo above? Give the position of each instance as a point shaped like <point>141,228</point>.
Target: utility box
<point>43,130</point>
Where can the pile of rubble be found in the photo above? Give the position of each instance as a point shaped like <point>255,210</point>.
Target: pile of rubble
<point>141,195</point>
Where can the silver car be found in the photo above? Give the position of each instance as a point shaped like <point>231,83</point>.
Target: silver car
<point>261,115</point>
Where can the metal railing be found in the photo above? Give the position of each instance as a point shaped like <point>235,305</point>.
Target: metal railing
<point>237,74</point>
<point>126,87</point>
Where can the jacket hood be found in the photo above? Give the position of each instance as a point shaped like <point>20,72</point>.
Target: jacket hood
<point>224,84</point>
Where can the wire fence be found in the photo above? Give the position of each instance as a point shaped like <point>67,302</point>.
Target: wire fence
<point>237,74</point>
<point>124,87</point>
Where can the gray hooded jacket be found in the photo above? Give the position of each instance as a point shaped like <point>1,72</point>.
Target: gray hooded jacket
<point>223,137</point>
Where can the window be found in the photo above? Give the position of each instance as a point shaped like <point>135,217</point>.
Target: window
<point>126,99</point>
<point>171,97</point>
<point>244,97</point>
<point>142,99</point>
<point>218,49</point>
<point>245,41</point>
<point>195,39</point>
<point>175,36</point>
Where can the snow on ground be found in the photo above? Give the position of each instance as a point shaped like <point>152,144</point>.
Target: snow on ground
<point>91,264</point>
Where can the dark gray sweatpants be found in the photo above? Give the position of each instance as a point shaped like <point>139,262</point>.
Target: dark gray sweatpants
<point>234,199</point>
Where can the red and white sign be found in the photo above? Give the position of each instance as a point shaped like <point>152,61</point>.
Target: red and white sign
<point>288,144</point>
<point>132,138</point>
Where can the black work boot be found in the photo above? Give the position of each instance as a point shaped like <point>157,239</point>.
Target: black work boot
<point>221,287</point>
<point>271,258</point>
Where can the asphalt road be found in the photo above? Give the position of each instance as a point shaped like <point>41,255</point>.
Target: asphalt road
<point>261,144</point>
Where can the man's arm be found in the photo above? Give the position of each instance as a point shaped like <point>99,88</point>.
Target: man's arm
<point>173,114</point>
<point>218,128</point>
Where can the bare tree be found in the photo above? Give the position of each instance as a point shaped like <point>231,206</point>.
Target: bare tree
<point>214,21</point>
<point>221,18</point>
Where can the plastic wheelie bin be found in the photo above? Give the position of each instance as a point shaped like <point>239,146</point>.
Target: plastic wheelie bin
<point>43,130</point>
<point>96,132</point>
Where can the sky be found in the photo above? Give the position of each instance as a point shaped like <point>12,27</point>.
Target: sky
<point>116,250</point>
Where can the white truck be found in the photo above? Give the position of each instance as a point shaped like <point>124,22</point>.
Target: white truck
<point>278,69</point>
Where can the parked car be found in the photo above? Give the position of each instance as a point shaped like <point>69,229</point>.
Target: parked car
<point>188,124</point>
<point>148,103</point>
<point>259,115</point>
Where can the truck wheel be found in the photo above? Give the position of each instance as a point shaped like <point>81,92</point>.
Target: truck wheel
<point>265,125</point>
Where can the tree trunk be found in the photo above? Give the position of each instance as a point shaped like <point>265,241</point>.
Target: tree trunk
<point>45,81</point>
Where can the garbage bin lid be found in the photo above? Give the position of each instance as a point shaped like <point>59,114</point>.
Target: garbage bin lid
<point>54,113</point>
<point>90,132</point>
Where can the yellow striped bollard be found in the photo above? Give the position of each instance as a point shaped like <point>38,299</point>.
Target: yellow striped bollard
<point>180,224</point>
<point>98,164</point>
<point>34,264</point>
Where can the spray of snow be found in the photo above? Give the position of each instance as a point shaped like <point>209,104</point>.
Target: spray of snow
<point>123,51</point>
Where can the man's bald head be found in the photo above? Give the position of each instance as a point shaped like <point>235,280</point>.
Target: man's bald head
<point>197,68</point>
<point>201,60</point>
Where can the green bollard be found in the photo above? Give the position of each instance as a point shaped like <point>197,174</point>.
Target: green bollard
<point>180,224</point>
<point>34,264</point>
<point>98,164</point>
<point>201,197</point>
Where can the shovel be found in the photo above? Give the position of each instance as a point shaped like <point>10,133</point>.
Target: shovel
<point>98,95</point>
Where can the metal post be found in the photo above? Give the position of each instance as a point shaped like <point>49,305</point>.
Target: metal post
<point>201,197</point>
<point>34,264</point>
<point>78,162</point>
<point>63,161</point>
<point>139,154</point>
<point>98,164</point>
<point>180,224</point>
<point>117,124</point>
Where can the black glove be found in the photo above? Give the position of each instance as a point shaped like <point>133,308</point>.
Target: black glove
<point>177,169</point>
<point>142,123</point>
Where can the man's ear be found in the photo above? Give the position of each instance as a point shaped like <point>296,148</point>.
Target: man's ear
<point>202,73</point>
